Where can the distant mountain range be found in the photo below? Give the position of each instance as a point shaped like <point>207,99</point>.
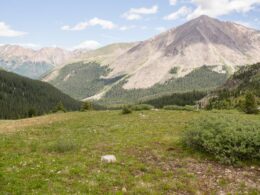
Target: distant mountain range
<point>32,63</point>
<point>198,55</point>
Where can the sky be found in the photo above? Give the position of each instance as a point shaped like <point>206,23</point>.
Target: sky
<point>90,24</point>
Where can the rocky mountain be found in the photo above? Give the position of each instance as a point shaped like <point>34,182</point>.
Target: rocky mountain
<point>197,55</point>
<point>202,41</point>
<point>32,63</point>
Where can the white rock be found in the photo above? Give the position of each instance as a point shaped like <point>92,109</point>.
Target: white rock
<point>124,189</point>
<point>108,159</point>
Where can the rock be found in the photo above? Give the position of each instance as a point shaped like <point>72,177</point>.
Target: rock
<point>108,159</point>
<point>124,189</point>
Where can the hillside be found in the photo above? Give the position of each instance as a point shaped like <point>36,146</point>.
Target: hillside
<point>19,95</point>
<point>246,79</point>
<point>103,56</point>
<point>166,62</point>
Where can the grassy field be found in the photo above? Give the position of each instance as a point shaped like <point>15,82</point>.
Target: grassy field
<point>60,154</point>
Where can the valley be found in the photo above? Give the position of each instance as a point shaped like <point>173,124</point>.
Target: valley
<point>130,97</point>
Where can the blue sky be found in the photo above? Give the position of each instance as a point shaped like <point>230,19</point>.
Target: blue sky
<point>92,23</point>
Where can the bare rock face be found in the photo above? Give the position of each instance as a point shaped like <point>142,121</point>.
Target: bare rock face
<point>202,41</point>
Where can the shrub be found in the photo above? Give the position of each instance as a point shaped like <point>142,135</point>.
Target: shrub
<point>86,106</point>
<point>126,110</point>
<point>31,112</point>
<point>227,139</point>
<point>62,146</point>
<point>250,106</point>
<point>140,107</point>
<point>59,108</point>
<point>184,108</point>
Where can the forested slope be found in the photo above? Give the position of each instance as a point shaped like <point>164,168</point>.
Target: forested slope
<point>20,97</point>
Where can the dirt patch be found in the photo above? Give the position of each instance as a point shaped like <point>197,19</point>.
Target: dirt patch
<point>209,177</point>
<point>10,126</point>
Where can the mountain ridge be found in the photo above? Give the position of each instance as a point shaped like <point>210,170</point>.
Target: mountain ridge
<point>169,56</point>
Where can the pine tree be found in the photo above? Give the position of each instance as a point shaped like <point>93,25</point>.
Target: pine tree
<point>250,104</point>
<point>59,107</point>
<point>86,106</point>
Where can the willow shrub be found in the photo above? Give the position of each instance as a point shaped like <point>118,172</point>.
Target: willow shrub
<point>229,139</point>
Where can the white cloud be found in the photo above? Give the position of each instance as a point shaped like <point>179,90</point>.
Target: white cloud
<point>105,24</point>
<point>181,12</point>
<point>137,13</point>
<point>89,45</point>
<point>172,2</point>
<point>6,31</point>
<point>221,7</point>
<point>125,28</point>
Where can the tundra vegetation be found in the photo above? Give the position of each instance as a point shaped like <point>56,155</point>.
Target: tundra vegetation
<point>156,154</point>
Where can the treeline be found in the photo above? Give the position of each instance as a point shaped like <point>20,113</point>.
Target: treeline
<point>22,97</point>
<point>180,99</point>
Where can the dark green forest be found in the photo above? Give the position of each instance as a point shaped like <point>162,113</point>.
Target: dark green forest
<point>21,97</point>
<point>180,99</point>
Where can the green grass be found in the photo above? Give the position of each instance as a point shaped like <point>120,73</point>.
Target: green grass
<point>63,157</point>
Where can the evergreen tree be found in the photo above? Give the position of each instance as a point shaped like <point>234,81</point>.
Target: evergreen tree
<point>86,106</point>
<point>31,112</point>
<point>59,107</point>
<point>250,104</point>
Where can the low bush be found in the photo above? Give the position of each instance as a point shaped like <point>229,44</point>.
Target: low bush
<point>62,146</point>
<point>185,108</point>
<point>227,139</point>
<point>139,107</point>
<point>126,110</point>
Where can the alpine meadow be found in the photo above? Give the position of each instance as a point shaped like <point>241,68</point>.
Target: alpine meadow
<point>130,97</point>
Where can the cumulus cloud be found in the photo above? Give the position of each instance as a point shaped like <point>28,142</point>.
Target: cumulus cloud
<point>137,13</point>
<point>89,45</point>
<point>105,24</point>
<point>221,7</point>
<point>7,31</point>
<point>181,12</point>
<point>172,2</point>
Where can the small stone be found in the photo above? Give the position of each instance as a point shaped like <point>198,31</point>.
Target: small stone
<point>228,171</point>
<point>108,159</point>
<point>124,189</point>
